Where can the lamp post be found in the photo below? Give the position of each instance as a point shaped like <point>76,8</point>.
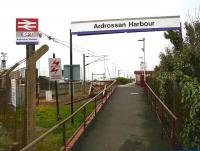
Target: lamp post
<point>143,49</point>
<point>141,62</point>
<point>4,58</point>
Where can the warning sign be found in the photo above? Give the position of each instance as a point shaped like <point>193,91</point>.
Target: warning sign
<point>55,71</point>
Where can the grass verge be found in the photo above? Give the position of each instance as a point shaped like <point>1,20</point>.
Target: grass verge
<point>46,118</point>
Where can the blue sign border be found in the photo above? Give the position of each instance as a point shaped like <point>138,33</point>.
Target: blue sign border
<point>85,33</point>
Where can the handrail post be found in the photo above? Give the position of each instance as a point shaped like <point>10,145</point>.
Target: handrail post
<point>155,101</point>
<point>173,132</point>
<point>64,133</point>
<point>84,118</point>
<point>149,95</point>
<point>161,123</point>
<point>152,103</point>
<point>103,99</point>
<point>95,107</point>
<point>15,146</point>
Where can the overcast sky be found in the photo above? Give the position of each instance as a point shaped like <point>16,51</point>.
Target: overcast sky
<point>55,17</point>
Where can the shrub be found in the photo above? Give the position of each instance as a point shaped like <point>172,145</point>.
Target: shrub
<point>122,80</point>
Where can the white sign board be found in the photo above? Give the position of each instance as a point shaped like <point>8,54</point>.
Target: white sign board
<point>55,71</point>
<point>13,93</point>
<point>125,25</point>
<point>27,31</point>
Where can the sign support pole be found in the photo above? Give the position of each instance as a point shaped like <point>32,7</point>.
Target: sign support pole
<point>56,92</point>
<point>30,94</point>
<point>30,101</point>
<point>71,77</point>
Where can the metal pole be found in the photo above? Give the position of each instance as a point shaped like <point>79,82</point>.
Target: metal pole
<point>115,69</point>
<point>104,68</point>
<point>92,78</point>
<point>84,73</point>
<point>144,59</point>
<point>71,77</point>
<point>56,92</point>
<point>181,37</point>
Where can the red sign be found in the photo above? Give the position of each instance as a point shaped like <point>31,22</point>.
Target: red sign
<point>26,24</point>
<point>55,71</point>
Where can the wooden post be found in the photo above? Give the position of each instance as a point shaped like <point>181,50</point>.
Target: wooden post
<point>30,100</point>
<point>29,126</point>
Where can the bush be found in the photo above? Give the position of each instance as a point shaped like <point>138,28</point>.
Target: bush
<point>122,80</point>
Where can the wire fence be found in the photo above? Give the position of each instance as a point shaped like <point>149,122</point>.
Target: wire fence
<point>12,104</point>
<point>12,98</point>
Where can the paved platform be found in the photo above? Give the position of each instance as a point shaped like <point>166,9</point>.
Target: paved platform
<point>125,124</point>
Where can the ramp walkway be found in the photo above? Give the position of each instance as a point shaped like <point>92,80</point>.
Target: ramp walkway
<point>125,124</point>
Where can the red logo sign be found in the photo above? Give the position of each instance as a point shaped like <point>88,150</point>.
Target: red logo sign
<point>55,67</point>
<point>55,71</point>
<point>26,24</point>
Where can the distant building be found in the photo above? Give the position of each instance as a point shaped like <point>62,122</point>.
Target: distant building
<point>139,76</point>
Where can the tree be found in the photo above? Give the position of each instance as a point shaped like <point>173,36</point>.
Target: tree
<point>175,38</point>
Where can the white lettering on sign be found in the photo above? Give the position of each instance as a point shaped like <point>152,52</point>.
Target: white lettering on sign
<point>55,71</point>
<point>27,34</point>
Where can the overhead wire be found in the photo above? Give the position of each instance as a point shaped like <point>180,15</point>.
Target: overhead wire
<point>67,44</point>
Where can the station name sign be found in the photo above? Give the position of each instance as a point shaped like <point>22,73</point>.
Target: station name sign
<point>27,31</point>
<point>125,25</point>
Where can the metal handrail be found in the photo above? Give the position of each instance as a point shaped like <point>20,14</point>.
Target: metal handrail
<point>48,132</point>
<point>161,102</point>
<point>160,115</point>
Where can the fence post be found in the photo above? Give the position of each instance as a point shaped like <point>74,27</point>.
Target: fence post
<point>64,133</point>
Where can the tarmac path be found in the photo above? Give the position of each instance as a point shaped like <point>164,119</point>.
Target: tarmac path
<point>125,124</point>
